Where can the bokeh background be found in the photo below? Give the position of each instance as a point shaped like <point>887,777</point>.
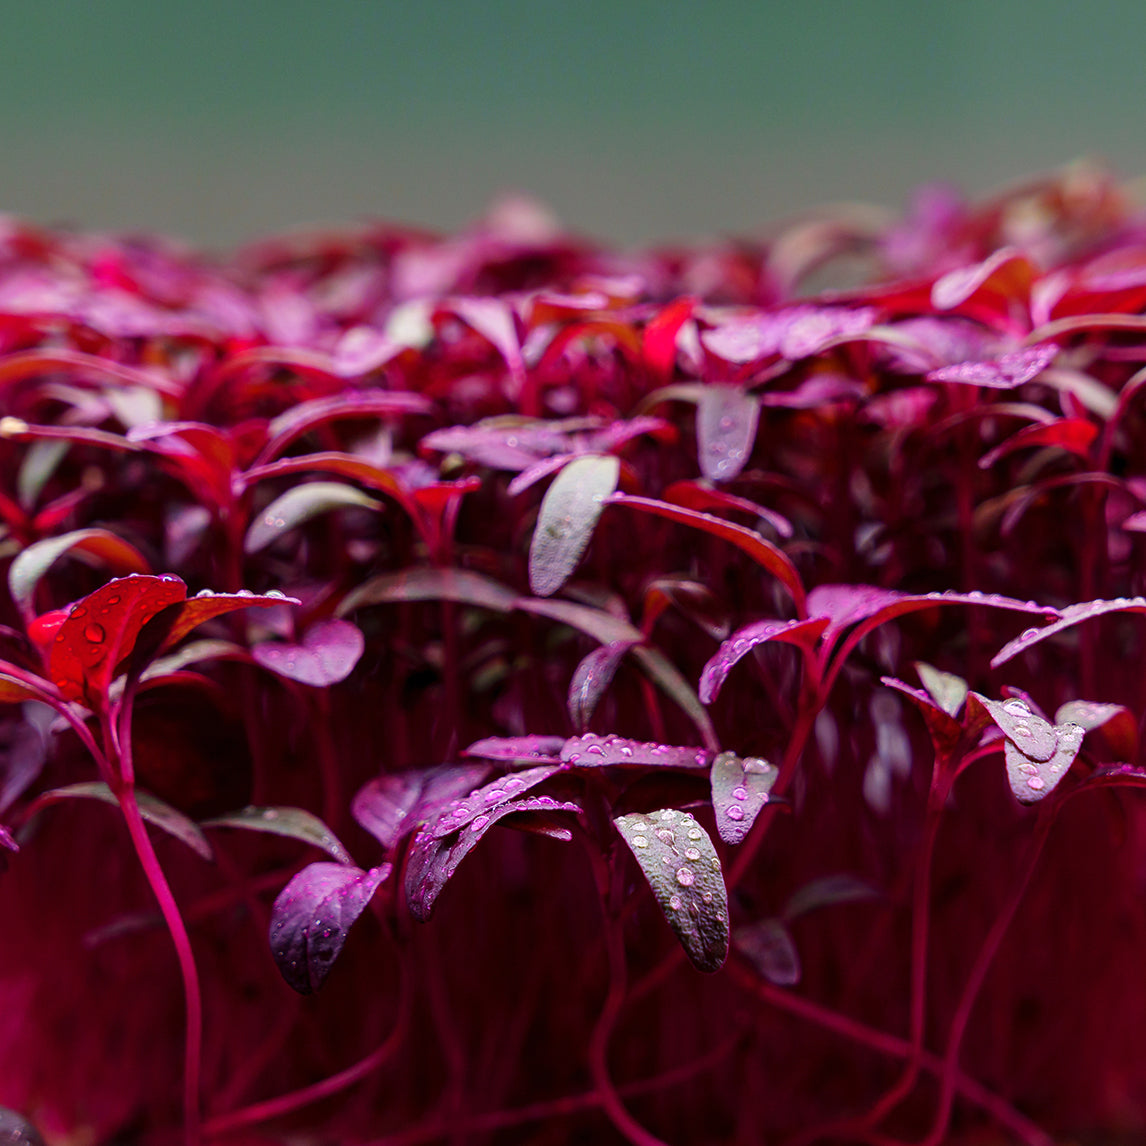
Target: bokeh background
<point>220,121</point>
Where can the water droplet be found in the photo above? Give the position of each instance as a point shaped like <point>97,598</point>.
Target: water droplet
<point>595,750</point>
<point>114,599</point>
<point>665,836</point>
<point>513,784</point>
<point>479,823</point>
<point>245,593</point>
<point>685,877</point>
<point>674,903</point>
<point>626,750</point>
<point>740,793</point>
<point>691,854</point>
<point>1036,783</point>
<point>734,812</point>
<point>640,842</point>
<point>1022,730</point>
<point>695,834</point>
<point>668,814</point>
<point>94,633</point>
<point>270,814</point>
<point>278,594</point>
<point>706,896</point>
<point>205,593</point>
<point>1016,708</point>
<point>79,611</point>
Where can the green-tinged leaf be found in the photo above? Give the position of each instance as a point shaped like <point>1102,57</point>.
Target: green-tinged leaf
<point>726,420</point>
<point>428,583</point>
<point>945,688</point>
<point>13,691</point>
<point>740,789</point>
<point>96,544</point>
<point>828,890</point>
<point>299,505</point>
<point>41,460</point>
<point>677,858</point>
<point>567,518</point>
<point>1117,724</point>
<point>294,823</point>
<point>192,653</point>
<point>151,808</point>
<point>768,945</point>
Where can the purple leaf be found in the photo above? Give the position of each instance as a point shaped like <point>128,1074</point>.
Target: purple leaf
<point>802,634</point>
<point>16,1130</point>
<point>798,332</point>
<point>848,604</point>
<point>328,653</point>
<point>1037,737</point>
<point>391,807</point>
<point>1069,616</point>
<point>591,751</point>
<point>1006,372</point>
<point>677,858</point>
<point>1032,779</point>
<point>726,420</point>
<point>465,810</point>
<point>513,446</point>
<point>312,915</point>
<point>517,748</point>
<point>153,810</point>
<point>739,790</point>
<point>568,516</point>
<point>293,823</point>
<point>299,505</point>
<point>432,861</point>
<point>591,678</point>
<point>768,945</point>
<point>23,751</point>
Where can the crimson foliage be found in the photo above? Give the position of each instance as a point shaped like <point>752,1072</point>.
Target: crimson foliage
<point>614,685</point>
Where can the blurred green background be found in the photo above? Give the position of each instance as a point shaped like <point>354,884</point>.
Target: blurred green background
<point>223,121</point>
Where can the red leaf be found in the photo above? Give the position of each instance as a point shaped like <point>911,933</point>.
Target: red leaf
<point>102,629</point>
<point>758,548</point>
<point>1076,435</point>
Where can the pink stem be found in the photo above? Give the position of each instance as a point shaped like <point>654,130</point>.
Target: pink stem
<point>193,1045</point>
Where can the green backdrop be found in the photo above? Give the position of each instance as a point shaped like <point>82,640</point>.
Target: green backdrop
<point>222,120</point>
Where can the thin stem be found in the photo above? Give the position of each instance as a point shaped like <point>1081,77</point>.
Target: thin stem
<point>894,1046</point>
<point>193,1000</point>
<point>606,1091</point>
<point>324,1088</point>
<point>987,953</point>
